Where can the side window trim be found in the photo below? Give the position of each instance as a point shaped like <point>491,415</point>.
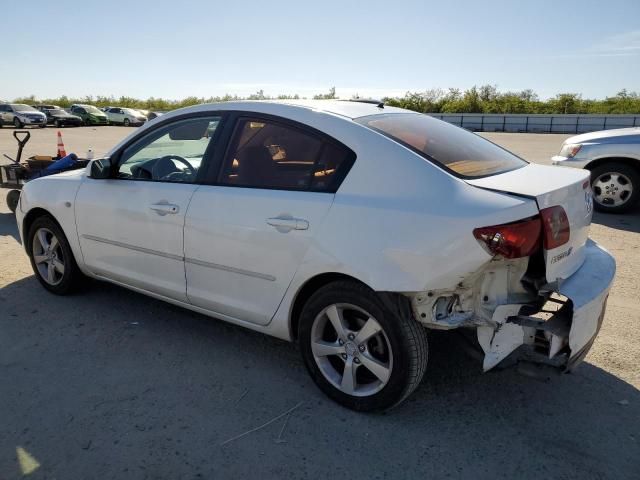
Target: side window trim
<point>233,125</point>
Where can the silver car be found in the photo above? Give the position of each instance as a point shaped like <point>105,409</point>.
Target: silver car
<point>124,116</point>
<point>613,158</point>
<point>20,115</point>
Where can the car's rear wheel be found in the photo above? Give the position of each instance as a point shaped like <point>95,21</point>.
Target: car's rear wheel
<point>127,122</point>
<point>364,353</point>
<point>51,257</point>
<point>615,187</point>
<point>17,123</point>
<point>58,124</point>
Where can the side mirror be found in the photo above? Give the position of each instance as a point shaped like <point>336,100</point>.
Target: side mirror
<point>100,168</point>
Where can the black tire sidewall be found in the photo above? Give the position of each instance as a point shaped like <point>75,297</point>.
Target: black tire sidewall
<point>394,390</point>
<point>71,271</point>
<point>17,123</point>
<point>627,171</point>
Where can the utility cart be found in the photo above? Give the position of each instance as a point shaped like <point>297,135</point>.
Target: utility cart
<point>15,174</point>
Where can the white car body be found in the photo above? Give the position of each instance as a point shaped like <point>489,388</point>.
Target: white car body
<point>398,223</point>
<point>621,143</point>
<point>121,115</point>
<point>613,158</point>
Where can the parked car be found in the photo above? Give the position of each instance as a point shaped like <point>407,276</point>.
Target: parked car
<point>58,116</point>
<point>613,158</point>
<point>124,116</point>
<point>20,115</point>
<point>149,114</point>
<point>89,114</point>
<point>350,228</point>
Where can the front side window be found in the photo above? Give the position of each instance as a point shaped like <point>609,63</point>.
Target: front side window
<point>266,154</point>
<point>464,153</point>
<point>172,153</point>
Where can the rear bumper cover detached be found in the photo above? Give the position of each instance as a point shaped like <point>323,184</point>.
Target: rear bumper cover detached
<point>562,337</point>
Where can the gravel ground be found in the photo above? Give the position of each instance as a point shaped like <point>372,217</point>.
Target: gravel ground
<point>111,384</point>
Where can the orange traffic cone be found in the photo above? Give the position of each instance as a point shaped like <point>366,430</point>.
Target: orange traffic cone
<point>61,151</point>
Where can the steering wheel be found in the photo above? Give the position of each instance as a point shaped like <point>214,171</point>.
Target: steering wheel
<point>166,163</point>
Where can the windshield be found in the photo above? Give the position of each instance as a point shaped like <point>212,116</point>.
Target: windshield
<point>463,153</point>
<point>58,111</point>
<point>130,111</point>
<point>19,107</point>
<point>91,109</point>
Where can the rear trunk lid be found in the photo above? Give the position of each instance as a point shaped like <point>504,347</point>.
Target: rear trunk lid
<point>550,187</point>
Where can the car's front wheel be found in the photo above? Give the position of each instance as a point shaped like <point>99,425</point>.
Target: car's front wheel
<point>17,123</point>
<point>616,187</point>
<point>51,257</point>
<point>366,354</point>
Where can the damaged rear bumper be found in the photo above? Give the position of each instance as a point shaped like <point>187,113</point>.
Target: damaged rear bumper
<point>562,331</point>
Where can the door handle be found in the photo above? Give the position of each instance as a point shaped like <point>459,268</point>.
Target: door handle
<point>285,224</point>
<point>165,208</point>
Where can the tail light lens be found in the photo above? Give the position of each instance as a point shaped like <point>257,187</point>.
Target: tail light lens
<point>555,225</point>
<point>512,240</point>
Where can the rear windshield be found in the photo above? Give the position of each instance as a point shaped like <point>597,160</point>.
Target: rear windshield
<point>463,153</point>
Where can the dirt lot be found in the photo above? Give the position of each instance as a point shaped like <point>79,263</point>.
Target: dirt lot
<point>111,384</point>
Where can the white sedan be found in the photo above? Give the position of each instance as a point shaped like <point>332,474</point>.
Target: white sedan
<point>352,228</point>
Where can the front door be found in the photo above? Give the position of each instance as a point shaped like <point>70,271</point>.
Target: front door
<point>131,226</point>
<point>246,235</point>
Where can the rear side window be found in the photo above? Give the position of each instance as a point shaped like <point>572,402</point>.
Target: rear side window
<point>268,154</point>
<point>463,153</point>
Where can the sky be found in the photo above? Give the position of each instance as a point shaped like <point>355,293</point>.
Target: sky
<point>174,49</point>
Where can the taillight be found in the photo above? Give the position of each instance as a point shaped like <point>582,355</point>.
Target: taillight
<point>512,240</point>
<point>555,225</point>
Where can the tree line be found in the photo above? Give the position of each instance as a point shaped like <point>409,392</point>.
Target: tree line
<point>483,99</point>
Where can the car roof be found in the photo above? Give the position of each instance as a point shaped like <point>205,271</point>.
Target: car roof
<point>343,108</point>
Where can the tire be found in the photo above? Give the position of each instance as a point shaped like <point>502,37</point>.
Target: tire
<point>58,124</point>
<point>42,126</point>
<point>17,123</point>
<point>398,352</point>
<point>126,122</point>
<point>50,277</point>
<point>13,197</point>
<point>87,122</point>
<point>615,186</point>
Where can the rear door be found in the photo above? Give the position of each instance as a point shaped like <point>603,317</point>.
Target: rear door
<point>247,232</point>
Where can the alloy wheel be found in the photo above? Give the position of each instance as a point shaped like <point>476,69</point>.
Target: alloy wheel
<point>48,256</point>
<point>351,349</point>
<point>612,189</point>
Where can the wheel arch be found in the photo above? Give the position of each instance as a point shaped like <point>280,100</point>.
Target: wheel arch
<point>31,217</point>
<point>629,161</point>
<point>307,289</point>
